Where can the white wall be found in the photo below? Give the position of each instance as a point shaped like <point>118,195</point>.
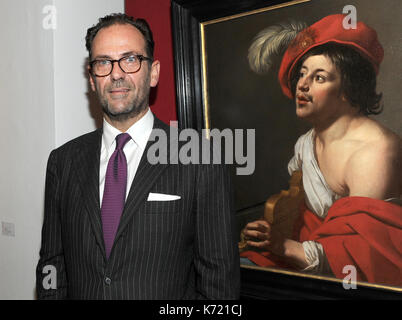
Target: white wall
<point>27,135</point>
<point>44,103</point>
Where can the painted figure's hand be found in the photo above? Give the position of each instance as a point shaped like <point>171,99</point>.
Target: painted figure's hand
<point>262,235</point>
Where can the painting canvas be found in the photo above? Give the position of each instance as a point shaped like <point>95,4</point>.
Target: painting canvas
<point>233,96</point>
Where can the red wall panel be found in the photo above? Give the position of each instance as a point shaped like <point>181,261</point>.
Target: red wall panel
<point>157,14</point>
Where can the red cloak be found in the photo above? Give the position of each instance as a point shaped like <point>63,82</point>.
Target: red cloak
<point>362,232</point>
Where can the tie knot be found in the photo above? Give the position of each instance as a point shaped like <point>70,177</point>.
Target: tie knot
<point>121,140</point>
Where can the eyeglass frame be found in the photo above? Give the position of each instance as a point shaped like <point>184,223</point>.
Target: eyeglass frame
<point>140,57</point>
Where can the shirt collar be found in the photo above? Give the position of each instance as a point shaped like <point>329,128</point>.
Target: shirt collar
<point>139,131</point>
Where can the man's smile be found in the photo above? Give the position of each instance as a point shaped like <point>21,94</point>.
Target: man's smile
<point>119,90</point>
<point>303,99</point>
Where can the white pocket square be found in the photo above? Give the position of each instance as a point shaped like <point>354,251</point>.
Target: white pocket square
<point>162,197</point>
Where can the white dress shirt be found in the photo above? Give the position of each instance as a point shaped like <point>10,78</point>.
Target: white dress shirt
<point>133,150</point>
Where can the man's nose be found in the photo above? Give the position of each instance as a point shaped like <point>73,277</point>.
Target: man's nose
<point>117,73</point>
<point>303,84</point>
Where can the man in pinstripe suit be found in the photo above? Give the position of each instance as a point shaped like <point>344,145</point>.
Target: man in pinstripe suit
<point>176,235</point>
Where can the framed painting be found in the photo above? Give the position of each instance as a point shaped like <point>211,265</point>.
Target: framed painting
<point>217,88</point>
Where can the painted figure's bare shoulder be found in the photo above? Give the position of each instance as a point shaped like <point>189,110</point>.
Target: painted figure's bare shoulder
<point>373,165</point>
<point>373,139</point>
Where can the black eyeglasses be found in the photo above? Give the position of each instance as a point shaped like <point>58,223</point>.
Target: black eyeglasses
<point>129,64</point>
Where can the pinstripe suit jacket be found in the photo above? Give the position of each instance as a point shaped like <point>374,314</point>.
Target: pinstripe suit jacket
<point>182,249</point>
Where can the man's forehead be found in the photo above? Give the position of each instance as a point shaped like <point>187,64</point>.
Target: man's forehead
<point>118,38</point>
<point>320,61</point>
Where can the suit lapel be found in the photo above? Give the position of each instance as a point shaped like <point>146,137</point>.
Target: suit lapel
<point>87,167</point>
<point>144,179</point>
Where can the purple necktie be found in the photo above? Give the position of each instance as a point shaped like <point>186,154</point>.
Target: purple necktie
<point>114,194</point>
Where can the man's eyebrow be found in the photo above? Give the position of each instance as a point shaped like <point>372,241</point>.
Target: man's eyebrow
<point>124,54</point>
<point>322,70</point>
<point>129,53</point>
<point>316,70</point>
<point>102,56</point>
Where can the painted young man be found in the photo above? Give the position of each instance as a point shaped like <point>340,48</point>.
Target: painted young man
<point>351,164</point>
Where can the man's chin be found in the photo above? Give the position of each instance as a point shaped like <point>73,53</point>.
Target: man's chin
<point>302,112</point>
<point>123,115</point>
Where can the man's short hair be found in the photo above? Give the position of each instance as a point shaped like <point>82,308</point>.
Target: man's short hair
<point>358,77</point>
<point>121,18</point>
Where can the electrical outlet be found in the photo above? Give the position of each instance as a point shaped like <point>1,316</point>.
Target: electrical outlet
<point>8,229</point>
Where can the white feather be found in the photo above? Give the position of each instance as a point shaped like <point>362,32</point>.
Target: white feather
<point>270,42</point>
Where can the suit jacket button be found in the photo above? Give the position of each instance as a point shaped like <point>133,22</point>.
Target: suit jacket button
<point>108,281</point>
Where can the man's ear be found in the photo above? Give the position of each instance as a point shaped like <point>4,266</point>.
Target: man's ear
<point>342,95</point>
<point>91,79</point>
<point>155,69</point>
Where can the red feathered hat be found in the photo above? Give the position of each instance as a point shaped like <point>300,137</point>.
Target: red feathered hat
<point>330,29</point>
